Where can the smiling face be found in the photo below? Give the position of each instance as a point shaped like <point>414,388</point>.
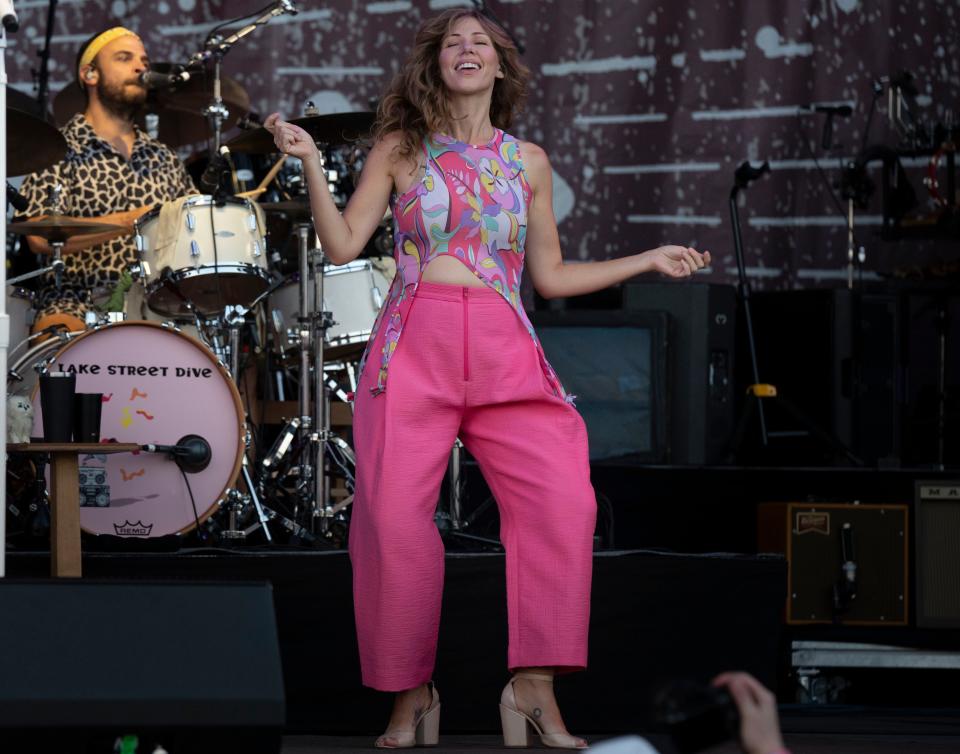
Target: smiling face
<point>468,59</point>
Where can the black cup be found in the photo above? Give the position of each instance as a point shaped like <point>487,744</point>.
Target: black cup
<point>56,402</point>
<point>86,426</point>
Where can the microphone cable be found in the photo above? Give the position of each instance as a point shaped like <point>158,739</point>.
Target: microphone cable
<point>196,516</point>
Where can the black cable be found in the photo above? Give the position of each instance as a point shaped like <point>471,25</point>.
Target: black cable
<point>826,181</point>
<point>196,516</point>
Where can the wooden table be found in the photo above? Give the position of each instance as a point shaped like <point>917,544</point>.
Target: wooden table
<point>65,496</point>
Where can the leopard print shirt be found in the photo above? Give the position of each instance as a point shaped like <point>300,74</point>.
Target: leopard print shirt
<point>98,180</point>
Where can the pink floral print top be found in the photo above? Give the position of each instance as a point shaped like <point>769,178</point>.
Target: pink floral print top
<point>470,204</point>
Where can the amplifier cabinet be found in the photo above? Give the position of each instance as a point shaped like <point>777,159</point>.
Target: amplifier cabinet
<point>847,564</point>
<point>937,554</point>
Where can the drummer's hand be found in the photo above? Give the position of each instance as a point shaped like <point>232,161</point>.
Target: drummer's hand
<point>676,261</point>
<point>291,139</point>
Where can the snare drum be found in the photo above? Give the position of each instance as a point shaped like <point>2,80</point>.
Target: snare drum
<point>212,254</point>
<point>353,292</point>
<point>158,385</point>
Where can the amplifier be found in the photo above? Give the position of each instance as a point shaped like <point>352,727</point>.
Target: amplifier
<point>937,554</point>
<point>847,564</point>
<point>701,351</point>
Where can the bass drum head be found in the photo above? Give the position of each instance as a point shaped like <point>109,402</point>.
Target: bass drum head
<point>158,385</point>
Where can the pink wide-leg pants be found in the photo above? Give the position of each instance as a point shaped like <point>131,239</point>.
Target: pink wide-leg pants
<point>466,367</point>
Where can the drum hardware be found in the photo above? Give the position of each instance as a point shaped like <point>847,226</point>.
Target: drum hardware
<point>305,448</point>
<point>280,446</point>
<point>215,47</point>
<point>57,230</point>
<point>450,520</point>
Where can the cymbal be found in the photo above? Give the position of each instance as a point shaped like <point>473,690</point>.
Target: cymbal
<point>62,227</point>
<point>32,142</point>
<point>334,128</point>
<point>179,110</point>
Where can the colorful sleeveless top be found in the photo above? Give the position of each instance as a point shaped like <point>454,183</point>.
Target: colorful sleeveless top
<point>470,204</point>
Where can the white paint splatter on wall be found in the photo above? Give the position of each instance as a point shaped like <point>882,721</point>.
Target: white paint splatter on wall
<point>675,99</point>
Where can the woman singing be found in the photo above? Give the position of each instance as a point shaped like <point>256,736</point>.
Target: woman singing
<point>453,354</point>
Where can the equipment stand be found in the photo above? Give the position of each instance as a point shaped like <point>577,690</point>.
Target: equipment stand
<point>759,392</point>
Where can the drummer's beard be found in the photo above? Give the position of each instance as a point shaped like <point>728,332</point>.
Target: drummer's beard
<point>123,100</point>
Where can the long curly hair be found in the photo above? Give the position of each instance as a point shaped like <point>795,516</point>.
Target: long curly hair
<point>416,101</point>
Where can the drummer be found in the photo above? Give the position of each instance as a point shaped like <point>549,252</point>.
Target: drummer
<point>113,171</point>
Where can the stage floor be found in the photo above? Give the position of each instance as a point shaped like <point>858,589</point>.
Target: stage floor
<point>798,743</point>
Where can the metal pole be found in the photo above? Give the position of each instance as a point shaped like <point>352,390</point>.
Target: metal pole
<point>744,288</point>
<point>321,394</point>
<point>307,473</point>
<point>4,318</point>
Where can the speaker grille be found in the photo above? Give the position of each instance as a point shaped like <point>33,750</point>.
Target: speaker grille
<point>938,555</point>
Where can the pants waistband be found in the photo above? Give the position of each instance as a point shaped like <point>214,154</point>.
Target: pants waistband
<point>446,292</point>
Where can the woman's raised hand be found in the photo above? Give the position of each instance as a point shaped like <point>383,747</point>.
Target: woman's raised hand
<point>290,139</point>
<point>676,261</point>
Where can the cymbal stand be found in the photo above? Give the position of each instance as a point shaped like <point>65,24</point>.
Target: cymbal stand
<point>234,317</point>
<point>55,266</point>
<point>322,321</point>
<point>54,206</point>
<point>314,483</point>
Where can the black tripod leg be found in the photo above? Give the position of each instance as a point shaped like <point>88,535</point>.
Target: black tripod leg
<point>827,438</point>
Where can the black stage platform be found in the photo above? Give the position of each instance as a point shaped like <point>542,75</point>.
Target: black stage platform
<point>655,617</point>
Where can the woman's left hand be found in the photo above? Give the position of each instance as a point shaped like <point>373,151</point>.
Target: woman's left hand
<point>676,261</point>
<point>290,139</point>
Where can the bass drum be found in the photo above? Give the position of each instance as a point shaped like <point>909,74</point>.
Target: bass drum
<point>158,385</point>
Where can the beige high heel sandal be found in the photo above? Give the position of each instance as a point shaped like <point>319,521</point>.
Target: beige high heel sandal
<point>517,725</point>
<point>426,728</point>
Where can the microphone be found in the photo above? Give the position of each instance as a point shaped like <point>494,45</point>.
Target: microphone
<point>18,200</point>
<point>747,173</point>
<point>153,80</point>
<point>844,111</point>
<point>210,180</point>
<point>287,6</point>
<point>8,16</point>
<point>191,453</point>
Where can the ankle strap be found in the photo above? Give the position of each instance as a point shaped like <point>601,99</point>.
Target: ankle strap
<point>533,676</point>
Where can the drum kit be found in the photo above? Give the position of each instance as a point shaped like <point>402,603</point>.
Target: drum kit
<point>216,303</point>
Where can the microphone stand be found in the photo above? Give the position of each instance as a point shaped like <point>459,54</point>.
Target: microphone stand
<point>745,174</point>
<point>4,317</point>
<point>43,74</point>
<point>759,392</point>
<point>215,48</point>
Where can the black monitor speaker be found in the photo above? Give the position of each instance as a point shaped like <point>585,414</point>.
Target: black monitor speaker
<point>188,667</point>
<point>701,356</point>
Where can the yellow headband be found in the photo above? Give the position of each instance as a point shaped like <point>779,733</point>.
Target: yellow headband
<point>100,42</point>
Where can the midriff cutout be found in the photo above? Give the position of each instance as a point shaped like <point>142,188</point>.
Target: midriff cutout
<point>450,271</point>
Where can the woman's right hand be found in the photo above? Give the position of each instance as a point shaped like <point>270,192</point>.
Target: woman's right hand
<point>291,139</point>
